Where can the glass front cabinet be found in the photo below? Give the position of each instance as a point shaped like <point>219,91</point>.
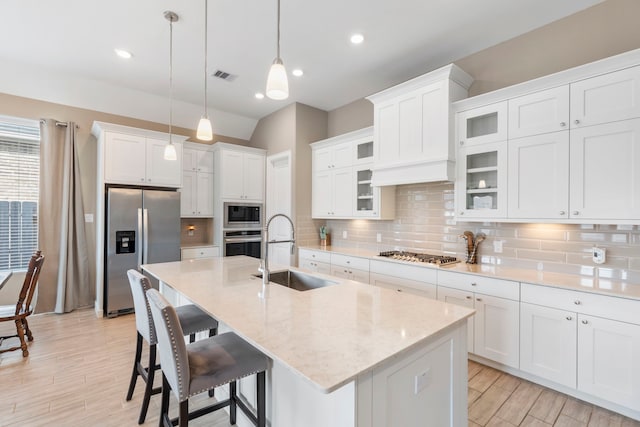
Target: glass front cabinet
<point>481,190</point>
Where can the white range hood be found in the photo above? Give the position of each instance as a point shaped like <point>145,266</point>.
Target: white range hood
<point>414,128</point>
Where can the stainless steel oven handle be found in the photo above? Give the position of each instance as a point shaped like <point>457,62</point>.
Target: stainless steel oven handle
<point>242,239</point>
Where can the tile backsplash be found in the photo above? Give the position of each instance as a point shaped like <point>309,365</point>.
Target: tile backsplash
<point>425,223</point>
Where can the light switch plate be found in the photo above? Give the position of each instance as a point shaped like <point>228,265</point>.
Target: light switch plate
<point>344,234</point>
<point>421,381</point>
<point>88,217</point>
<point>379,237</point>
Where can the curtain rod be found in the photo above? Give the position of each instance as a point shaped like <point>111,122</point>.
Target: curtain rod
<point>61,124</point>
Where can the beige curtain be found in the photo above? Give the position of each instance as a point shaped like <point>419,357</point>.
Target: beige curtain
<point>64,282</point>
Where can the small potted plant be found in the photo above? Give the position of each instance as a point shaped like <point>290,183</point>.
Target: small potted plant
<point>325,237</point>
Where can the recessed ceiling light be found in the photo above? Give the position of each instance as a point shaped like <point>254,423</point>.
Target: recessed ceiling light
<point>123,53</point>
<point>297,72</point>
<point>259,95</point>
<point>357,38</point>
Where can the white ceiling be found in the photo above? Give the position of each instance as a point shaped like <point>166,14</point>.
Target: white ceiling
<point>62,50</point>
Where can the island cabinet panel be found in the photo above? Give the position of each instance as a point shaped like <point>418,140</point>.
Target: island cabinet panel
<point>423,386</point>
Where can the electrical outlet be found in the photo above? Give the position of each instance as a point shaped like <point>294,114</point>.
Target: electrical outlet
<point>497,246</point>
<point>190,232</point>
<point>599,255</point>
<point>344,234</point>
<point>379,237</point>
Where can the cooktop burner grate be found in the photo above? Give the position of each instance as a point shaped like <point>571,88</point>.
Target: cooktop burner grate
<point>418,257</point>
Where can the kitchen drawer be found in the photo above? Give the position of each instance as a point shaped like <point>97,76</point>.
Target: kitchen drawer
<point>316,266</point>
<point>350,273</point>
<point>350,261</point>
<point>392,281</point>
<point>480,284</point>
<point>319,256</point>
<point>201,252</point>
<point>621,309</point>
<point>411,272</point>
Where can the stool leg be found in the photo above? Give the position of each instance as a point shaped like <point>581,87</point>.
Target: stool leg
<point>136,361</point>
<point>164,405</point>
<point>149,387</point>
<point>261,397</point>
<point>184,413</point>
<point>20,332</point>
<point>212,332</point>
<point>232,402</point>
<point>26,329</point>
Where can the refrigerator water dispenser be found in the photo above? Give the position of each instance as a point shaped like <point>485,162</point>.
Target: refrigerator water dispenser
<point>125,242</point>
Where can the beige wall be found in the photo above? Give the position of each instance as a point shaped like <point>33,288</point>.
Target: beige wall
<point>293,128</point>
<point>33,109</point>
<point>350,117</point>
<point>595,33</point>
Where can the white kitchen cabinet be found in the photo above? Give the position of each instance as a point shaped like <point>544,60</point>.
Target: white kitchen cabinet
<point>241,172</point>
<point>538,178</point>
<point>317,261</point>
<point>482,125</point>
<point>404,278</point>
<point>606,98</point>
<point>494,330</point>
<point>333,157</point>
<point>342,179</point>
<point>350,273</point>
<point>548,338</point>
<point>332,193</point>
<point>139,160</point>
<point>604,173</point>
<point>608,354</point>
<point>196,198</point>
<point>539,112</point>
<point>197,159</point>
<point>481,187</point>
<point>200,252</point>
<point>413,123</point>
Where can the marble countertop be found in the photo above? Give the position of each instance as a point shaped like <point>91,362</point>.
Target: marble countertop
<point>328,335</point>
<point>594,284</point>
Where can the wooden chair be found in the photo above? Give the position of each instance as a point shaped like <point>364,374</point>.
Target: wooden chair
<point>190,369</point>
<point>23,308</point>
<point>192,320</point>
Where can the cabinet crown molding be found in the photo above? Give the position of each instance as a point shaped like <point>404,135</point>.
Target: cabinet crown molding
<point>99,127</point>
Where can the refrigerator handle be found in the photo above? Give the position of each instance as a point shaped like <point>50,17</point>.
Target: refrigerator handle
<point>145,235</point>
<point>138,242</point>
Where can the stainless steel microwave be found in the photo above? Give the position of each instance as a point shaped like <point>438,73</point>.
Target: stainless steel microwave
<point>242,215</point>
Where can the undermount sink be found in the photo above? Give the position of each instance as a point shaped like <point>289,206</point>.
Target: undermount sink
<point>297,280</point>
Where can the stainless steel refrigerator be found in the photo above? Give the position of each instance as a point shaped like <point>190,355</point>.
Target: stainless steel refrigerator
<point>143,227</point>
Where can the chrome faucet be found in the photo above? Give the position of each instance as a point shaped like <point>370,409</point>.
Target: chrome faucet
<point>264,263</point>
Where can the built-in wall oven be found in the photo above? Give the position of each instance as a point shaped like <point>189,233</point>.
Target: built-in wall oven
<point>242,242</point>
<point>242,215</point>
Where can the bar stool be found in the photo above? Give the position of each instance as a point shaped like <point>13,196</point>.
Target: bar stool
<point>190,369</point>
<point>191,318</point>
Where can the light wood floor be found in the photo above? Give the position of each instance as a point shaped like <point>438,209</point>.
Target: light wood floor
<point>79,366</point>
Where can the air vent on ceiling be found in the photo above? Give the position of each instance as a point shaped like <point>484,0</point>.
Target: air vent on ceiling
<point>227,77</point>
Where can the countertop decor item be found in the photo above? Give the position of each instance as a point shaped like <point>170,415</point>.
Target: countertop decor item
<point>325,237</point>
<point>472,245</point>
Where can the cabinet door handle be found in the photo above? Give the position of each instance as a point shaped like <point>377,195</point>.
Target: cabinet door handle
<point>461,212</point>
<point>141,179</point>
<point>577,302</point>
<point>585,322</point>
<point>461,142</point>
<point>479,299</point>
<point>569,318</point>
<point>562,124</point>
<point>348,262</point>
<point>575,213</point>
<point>563,213</point>
<point>576,121</point>
<point>474,284</point>
<point>468,297</point>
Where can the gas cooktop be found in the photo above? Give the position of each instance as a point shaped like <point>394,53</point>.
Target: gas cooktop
<point>418,257</point>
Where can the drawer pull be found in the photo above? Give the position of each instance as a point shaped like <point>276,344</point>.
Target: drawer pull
<point>569,318</point>
<point>562,124</point>
<point>474,284</point>
<point>468,297</point>
<point>577,302</point>
<point>585,322</point>
<point>479,299</point>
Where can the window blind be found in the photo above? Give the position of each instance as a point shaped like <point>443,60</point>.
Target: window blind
<point>19,189</point>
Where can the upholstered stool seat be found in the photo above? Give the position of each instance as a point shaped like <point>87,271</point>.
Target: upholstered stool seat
<point>192,320</point>
<point>190,369</point>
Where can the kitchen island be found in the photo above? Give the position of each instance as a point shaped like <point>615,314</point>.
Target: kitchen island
<point>349,354</point>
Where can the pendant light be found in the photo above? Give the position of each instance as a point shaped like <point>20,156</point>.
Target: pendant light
<point>277,84</point>
<point>170,149</point>
<point>205,133</point>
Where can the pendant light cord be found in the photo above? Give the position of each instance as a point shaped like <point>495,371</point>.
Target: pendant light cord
<point>170,77</point>
<point>278,52</point>
<point>206,3</point>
